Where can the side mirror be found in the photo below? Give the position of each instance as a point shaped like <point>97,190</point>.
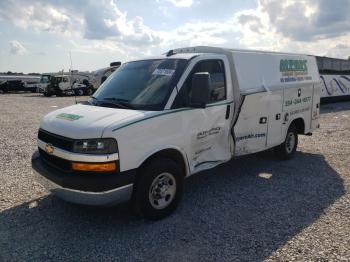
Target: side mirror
<point>201,83</point>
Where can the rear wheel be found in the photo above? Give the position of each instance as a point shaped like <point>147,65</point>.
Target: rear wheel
<point>79,92</point>
<point>89,92</point>
<point>287,149</point>
<point>159,189</point>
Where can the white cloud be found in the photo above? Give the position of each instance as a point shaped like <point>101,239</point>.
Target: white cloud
<point>306,26</point>
<point>303,20</point>
<point>181,3</point>
<point>294,26</point>
<point>39,16</point>
<point>16,48</point>
<point>93,20</point>
<point>200,33</point>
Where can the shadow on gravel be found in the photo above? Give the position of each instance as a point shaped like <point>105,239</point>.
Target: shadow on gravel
<point>229,213</point>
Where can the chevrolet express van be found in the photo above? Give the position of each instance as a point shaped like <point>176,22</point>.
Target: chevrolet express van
<point>155,122</point>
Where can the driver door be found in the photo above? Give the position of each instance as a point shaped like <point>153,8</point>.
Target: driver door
<point>209,141</point>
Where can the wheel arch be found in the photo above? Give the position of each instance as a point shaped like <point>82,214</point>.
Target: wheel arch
<point>299,123</point>
<point>172,153</point>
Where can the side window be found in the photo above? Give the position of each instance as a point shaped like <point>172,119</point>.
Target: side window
<point>217,74</point>
<point>216,70</point>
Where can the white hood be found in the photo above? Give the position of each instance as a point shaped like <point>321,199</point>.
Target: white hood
<point>85,121</point>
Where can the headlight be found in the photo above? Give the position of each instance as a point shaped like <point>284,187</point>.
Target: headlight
<point>96,146</point>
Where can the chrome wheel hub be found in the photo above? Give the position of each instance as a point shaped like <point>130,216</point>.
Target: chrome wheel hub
<point>162,190</point>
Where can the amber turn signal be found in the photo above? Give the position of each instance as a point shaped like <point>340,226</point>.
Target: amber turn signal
<point>98,167</point>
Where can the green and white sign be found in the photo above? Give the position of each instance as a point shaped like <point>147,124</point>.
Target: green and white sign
<point>69,117</point>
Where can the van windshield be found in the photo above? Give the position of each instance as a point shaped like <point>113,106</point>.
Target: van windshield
<point>144,85</point>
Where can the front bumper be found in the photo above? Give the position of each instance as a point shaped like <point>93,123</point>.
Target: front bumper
<point>96,190</point>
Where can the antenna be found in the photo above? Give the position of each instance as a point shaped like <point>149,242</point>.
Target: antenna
<point>70,78</point>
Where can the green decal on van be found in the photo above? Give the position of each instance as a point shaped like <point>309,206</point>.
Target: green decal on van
<point>290,65</point>
<point>69,117</point>
<point>294,70</point>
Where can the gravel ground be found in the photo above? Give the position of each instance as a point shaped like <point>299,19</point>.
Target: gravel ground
<point>251,209</point>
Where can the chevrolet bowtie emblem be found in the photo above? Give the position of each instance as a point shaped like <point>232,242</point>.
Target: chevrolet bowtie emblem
<point>49,148</point>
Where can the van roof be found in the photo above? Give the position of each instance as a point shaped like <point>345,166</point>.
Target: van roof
<point>211,49</point>
<point>191,52</point>
<point>186,56</point>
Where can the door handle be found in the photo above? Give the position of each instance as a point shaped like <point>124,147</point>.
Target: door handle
<point>228,109</point>
<point>263,120</point>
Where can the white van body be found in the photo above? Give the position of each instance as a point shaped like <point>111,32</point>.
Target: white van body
<point>264,94</point>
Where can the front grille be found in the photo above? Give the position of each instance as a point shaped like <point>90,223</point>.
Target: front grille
<point>55,161</point>
<point>56,140</point>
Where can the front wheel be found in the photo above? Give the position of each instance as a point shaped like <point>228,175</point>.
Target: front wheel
<point>89,91</point>
<point>79,92</point>
<point>287,149</point>
<point>159,189</point>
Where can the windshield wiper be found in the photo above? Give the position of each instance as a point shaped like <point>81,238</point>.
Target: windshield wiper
<point>121,103</point>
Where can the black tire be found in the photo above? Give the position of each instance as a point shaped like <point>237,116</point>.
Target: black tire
<point>287,149</point>
<point>79,92</point>
<point>152,174</point>
<point>89,91</point>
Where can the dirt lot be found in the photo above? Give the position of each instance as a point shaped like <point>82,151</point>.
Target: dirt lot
<point>231,213</point>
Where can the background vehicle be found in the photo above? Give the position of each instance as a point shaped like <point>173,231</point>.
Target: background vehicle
<point>335,79</point>
<point>12,86</point>
<point>74,84</point>
<point>99,76</point>
<point>17,83</point>
<point>45,79</point>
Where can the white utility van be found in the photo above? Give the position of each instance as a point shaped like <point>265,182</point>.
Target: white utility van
<point>156,121</point>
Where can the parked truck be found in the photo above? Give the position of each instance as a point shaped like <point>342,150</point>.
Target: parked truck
<point>18,83</point>
<point>157,121</point>
<point>99,76</point>
<point>12,86</point>
<point>70,84</point>
<point>335,78</point>
<point>44,82</point>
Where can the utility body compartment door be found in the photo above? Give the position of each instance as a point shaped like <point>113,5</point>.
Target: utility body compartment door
<point>315,114</point>
<point>275,119</point>
<point>251,127</point>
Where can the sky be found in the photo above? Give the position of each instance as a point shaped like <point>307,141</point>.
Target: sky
<point>39,35</point>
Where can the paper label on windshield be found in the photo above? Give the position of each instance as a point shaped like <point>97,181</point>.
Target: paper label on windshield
<point>163,72</point>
